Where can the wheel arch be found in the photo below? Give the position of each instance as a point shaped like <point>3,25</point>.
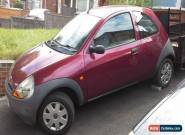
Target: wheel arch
<point>69,86</point>
<point>167,52</point>
<point>171,57</point>
<point>66,85</point>
<point>70,92</point>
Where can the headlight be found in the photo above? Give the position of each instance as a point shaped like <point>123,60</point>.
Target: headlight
<point>25,89</point>
<point>131,133</point>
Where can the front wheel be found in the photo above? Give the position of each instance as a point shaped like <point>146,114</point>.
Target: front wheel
<point>56,114</point>
<point>164,73</point>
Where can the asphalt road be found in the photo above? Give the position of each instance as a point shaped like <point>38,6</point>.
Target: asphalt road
<point>115,114</point>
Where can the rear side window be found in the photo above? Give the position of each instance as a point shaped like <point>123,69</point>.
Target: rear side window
<point>145,24</point>
<point>116,31</point>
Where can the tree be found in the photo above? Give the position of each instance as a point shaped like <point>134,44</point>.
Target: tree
<point>18,4</point>
<point>147,3</point>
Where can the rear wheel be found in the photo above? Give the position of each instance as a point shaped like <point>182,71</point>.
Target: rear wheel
<point>56,114</point>
<point>164,73</point>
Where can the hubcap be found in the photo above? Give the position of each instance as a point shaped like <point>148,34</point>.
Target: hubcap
<point>55,116</point>
<point>166,73</point>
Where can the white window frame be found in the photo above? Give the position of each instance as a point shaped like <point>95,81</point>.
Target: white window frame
<point>71,3</point>
<point>88,4</point>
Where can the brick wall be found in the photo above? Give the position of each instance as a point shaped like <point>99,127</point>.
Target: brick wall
<point>9,12</point>
<point>4,69</point>
<point>103,2</point>
<point>50,4</point>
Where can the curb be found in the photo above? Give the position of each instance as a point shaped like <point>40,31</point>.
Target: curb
<point>4,100</point>
<point>7,61</point>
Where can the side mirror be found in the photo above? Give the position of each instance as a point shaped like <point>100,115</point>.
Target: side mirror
<point>99,49</point>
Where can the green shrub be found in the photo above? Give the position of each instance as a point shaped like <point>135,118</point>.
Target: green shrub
<point>18,4</point>
<point>146,3</point>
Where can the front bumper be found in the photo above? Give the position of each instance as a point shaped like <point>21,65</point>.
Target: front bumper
<point>26,109</point>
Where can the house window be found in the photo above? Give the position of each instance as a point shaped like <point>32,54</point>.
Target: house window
<point>32,4</point>
<point>183,4</point>
<point>83,5</point>
<point>165,3</point>
<point>67,3</point>
<point>91,4</point>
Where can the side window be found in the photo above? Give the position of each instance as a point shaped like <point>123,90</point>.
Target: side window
<point>145,24</point>
<point>117,30</point>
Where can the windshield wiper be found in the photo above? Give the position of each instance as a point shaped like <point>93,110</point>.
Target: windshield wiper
<point>69,47</point>
<point>66,46</point>
<point>55,43</point>
<point>51,43</point>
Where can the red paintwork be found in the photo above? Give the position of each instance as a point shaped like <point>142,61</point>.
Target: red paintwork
<point>102,72</point>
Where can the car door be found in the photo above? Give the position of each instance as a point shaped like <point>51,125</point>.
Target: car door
<point>118,65</point>
<point>150,43</point>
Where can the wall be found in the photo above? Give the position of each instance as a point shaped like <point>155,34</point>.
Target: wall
<point>5,23</point>
<point>56,21</point>
<point>18,22</point>
<point>50,4</point>
<point>4,69</point>
<point>12,2</point>
<point>8,12</point>
<point>66,11</point>
<point>103,2</point>
<point>51,21</point>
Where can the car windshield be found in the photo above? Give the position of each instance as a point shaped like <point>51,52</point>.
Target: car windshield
<point>75,32</point>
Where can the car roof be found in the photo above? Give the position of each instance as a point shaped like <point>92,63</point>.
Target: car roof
<point>170,110</point>
<point>106,11</point>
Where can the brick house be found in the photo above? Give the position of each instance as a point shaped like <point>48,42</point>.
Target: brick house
<point>79,5</point>
<point>60,5</point>
<point>57,6</point>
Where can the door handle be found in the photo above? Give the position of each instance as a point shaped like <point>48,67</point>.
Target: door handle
<point>134,51</point>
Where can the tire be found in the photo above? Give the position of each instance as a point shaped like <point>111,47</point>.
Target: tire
<point>165,73</point>
<point>56,114</point>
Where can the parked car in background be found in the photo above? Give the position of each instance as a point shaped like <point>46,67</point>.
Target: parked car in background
<point>97,53</point>
<point>37,14</point>
<point>169,114</point>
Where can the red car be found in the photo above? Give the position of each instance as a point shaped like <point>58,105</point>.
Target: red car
<point>98,52</point>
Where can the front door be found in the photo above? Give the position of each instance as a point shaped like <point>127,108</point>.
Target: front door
<point>118,65</point>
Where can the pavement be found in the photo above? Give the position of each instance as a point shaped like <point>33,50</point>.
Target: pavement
<point>115,114</point>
